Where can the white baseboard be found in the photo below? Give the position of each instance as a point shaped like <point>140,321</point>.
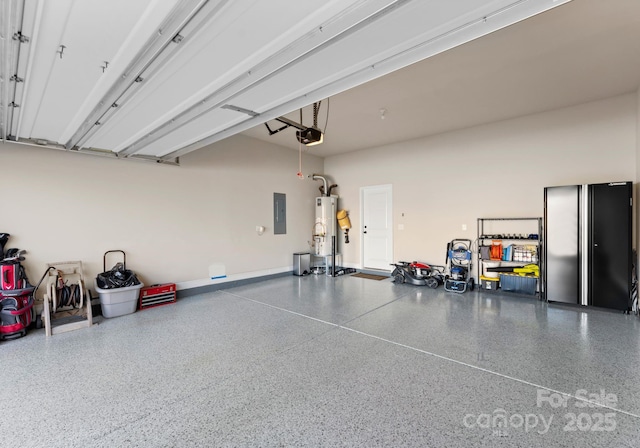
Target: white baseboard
<point>230,278</point>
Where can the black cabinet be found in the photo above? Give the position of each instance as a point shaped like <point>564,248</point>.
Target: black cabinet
<point>588,234</point>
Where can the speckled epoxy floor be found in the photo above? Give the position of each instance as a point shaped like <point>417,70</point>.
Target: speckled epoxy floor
<point>317,361</point>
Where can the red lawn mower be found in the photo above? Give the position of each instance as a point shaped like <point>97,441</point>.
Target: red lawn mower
<point>418,273</point>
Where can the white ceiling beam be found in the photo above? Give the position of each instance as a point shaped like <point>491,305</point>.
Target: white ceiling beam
<point>234,69</point>
<point>179,17</point>
<point>205,58</point>
<point>25,64</point>
<point>47,52</point>
<point>11,13</point>
<point>340,26</point>
<point>464,32</point>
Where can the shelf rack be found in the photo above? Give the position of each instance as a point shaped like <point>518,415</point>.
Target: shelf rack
<point>521,228</point>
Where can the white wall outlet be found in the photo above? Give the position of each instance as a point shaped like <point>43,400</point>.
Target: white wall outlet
<point>464,227</point>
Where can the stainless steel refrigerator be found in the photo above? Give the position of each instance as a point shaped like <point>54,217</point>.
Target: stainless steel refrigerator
<point>587,256</point>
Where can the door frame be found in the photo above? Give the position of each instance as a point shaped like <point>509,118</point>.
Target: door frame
<point>389,188</point>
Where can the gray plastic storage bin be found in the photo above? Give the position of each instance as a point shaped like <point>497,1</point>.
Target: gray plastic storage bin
<point>518,283</point>
<point>119,301</point>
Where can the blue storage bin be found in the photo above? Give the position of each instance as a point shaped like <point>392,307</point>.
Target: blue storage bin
<point>523,284</point>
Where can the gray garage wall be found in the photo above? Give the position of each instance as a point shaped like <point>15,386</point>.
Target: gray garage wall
<point>496,170</point>
<point>173,222</point>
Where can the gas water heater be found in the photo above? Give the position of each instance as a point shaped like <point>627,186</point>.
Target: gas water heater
<point>324,229</point>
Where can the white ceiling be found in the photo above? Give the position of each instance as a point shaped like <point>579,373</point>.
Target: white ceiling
<point>160,78</point>
<point>582,51</point>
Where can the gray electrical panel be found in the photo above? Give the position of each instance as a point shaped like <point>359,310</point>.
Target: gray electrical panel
<point>279,213</point>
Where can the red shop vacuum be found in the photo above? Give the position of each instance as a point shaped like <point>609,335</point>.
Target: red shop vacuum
<point>16,294</point>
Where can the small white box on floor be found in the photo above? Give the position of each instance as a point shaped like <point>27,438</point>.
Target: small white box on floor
<point>119,301</point>
<point>216,271</point>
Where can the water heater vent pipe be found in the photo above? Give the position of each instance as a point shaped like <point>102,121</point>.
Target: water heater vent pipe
<point>324,180</point>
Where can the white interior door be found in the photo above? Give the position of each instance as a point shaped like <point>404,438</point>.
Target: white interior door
<point>377,227</point>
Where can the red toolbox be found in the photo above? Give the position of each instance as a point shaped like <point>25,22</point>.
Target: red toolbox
<point>156,295</point>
